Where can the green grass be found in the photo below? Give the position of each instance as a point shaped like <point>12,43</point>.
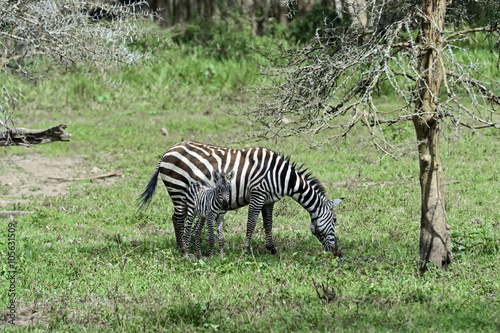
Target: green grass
<point>88,260</point>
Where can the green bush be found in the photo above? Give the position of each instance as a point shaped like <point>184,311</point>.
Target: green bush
<point>303,29</point>
<point>228,39</point>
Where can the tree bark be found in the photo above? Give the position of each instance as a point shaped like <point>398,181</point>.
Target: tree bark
<point>265,7</point>
<point>304,7</point>
<point>249,7</point>
<point>28,137</point>
<point>180,11</point>
<point>435,245</point>
<point>357,12</point>
<point>281,13</point>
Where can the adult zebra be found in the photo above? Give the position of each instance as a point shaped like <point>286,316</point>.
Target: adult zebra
<point>261,178</point>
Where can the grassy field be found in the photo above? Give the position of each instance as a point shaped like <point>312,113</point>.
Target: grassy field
<point>90,261</point>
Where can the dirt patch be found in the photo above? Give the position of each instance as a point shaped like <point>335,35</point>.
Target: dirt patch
<point>24,176</point>
<point>23,318</point>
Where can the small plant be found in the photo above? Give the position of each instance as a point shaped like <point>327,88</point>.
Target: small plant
<point>326,293</point>
<point>4,189</point>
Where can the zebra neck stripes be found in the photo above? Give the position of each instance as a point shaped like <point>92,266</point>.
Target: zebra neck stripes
<point>203,198</point>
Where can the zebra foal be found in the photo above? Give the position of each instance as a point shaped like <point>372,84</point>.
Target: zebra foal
<point>261,178</point>
<point>206,201</point>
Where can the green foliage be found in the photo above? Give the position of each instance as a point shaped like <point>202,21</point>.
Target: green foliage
<point>302,29</point>
<point>90,260</point>
<point>220,41</point>
<point>229,39</point>
<point>474,13</point>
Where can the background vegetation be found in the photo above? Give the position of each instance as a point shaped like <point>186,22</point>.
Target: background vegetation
<point>89,260</point>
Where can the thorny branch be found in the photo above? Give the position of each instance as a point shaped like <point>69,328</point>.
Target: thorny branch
<point>85,35</point>
<point>336,81</point>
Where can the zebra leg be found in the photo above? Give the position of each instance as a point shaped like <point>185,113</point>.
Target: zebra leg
<point>267,217</point>
<point>220,232</point>
<point>211,240</point>
<point>186,238</point>
<point>197,236</point>
<point>256,203</point>
<point>178,221</point>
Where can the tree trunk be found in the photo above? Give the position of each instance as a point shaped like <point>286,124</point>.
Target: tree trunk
<point>281,13</point>
<point>265,9</point>
<point>357,12</point>
<point>180,11</point>
<point>209,10</point>
<point>435,243</point>
<point>304,7</point>
<point>249,7</point>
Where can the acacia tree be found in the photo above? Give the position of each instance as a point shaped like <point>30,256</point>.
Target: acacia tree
<point>411,47</point>
<point>69,34</point>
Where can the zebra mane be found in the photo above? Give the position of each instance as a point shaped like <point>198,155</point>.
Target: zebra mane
<point>304,172</point>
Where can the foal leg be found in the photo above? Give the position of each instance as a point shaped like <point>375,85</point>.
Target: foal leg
<point>197,236</point>
<point>220,233</point>
<point>211,240</point>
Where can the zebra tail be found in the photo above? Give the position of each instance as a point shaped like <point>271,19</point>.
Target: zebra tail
<point>145,198</point>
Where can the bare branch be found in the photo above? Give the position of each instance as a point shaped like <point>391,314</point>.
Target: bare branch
<point>334,82</point>
<point>397,120</point>
<point>87,35</point>
<point>471,30</point>
<point>476,84</point>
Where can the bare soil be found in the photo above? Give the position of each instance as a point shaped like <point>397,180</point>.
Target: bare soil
<point>24,317</point>
<point>23,177</point>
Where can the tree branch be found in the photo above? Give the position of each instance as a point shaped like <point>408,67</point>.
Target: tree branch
<point>398,119</point>
<point>472,30</point>
<point>475,83</point>
<point>4,61</point>
<point>27,137</point>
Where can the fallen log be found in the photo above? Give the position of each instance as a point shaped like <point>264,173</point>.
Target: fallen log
<point>27,137</point>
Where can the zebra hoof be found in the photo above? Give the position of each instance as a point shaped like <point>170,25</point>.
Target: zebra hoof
<point>272,249</point>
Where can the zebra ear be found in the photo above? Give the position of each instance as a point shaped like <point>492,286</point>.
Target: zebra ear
<point>334,203</point>
<point>230,175</point>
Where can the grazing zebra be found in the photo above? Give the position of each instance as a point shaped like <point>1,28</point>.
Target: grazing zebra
<point>261,178</point>
<point>205,201</point>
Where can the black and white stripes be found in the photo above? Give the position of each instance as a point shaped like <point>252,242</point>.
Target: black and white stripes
<point>205,201</point>
<point>261,177</point>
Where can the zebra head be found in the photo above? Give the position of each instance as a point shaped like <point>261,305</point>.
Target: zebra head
<point>223,186</point>
<point>323,225</point>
